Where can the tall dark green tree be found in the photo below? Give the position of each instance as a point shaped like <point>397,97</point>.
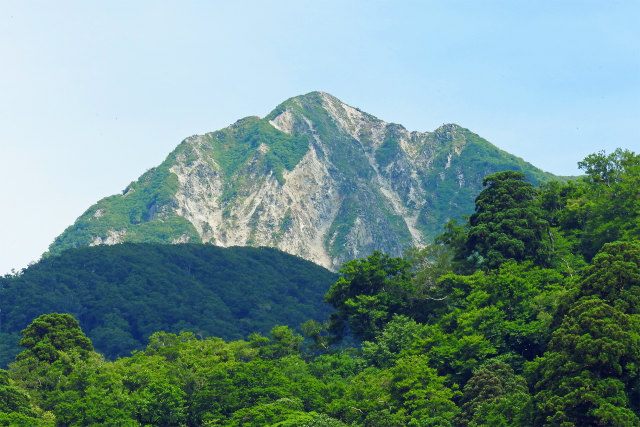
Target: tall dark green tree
<point>614,276</point>
<point>495,395</point>
<point>590,373</point>
<point>590,369</point>
<point>507,224</point>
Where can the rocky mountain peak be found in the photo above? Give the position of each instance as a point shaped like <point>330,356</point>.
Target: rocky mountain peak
<point>316,178</point>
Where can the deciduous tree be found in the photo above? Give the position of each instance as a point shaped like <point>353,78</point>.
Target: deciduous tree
<point>368,293</point>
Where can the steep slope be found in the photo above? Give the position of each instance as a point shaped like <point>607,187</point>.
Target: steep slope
<point>121,294</point>
<point>315,178</point>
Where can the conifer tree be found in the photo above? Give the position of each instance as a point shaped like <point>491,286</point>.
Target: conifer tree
<point>507,224</point>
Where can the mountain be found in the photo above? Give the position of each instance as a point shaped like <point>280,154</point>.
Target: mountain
<point>315,178</point>
<point>121,294</point>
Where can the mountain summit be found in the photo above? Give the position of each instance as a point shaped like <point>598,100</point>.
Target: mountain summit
<point>315,178</point>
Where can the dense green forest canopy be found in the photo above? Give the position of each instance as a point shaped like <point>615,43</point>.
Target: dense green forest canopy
<point>122,294</point>
<point>459,333</point>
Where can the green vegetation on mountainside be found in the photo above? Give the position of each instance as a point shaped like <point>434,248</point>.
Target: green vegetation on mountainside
<point>390,147</point>
<point>143,213</point>
<point>121,294</point>
<point>234,146</point>
<point>450,182</point>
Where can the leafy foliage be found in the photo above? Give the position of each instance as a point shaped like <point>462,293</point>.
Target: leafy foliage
<point>494,395</point>
<point>602,207</point>
<point>592,356</point>
<point>614,276</point>
<point>367,294</point>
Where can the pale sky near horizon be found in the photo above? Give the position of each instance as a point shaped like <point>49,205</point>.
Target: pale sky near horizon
<point>92,94</point>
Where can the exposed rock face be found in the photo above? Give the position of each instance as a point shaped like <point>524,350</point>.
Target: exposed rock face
<point>315,178</point>
<point>113,237</point>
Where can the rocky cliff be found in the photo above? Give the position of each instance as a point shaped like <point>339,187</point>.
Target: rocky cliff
<point>315,178</point>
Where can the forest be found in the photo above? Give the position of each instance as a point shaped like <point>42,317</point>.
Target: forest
<point>121,294</point>
<point>525,313</point>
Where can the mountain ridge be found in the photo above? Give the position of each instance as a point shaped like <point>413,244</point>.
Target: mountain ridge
<point>315,177</point>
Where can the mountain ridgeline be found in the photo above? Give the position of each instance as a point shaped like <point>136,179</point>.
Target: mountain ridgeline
<point>315,178</point>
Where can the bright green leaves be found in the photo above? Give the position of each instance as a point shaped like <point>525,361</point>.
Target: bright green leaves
<point>285,342</point>
<point>604,206</point>
<point>12,399</point>
<point>409,392</point>
<point>510,308</point>
<point>397,336</point>
<point>590,373</point>
<point>611,169</point>
<point>131,391</point>
<point>54,347</point>
<point>428,333</point>
<point>282,412</point>
<point>591,370</point>
<point>368,293</point>
<point>417,388</point>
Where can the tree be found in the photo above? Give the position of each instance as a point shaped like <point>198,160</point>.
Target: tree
<point>454,239</point>
<point>507,224</point>
<point>50,334</point>
<point>397,335</point>
<point>605,205</point>
<point>614,276</point>
<point>428,265</point>
<point>608,169</point>
<point>368,293</point>
<point>55,349</point>
<point>285,411</point>
<point>590,371</point>
<point>285,342</point>
<point>416,388</point>
<point>507,310</point>
<point>494,395</point>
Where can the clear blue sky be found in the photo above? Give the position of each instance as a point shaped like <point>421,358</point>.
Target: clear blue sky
<point>92,94</point>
